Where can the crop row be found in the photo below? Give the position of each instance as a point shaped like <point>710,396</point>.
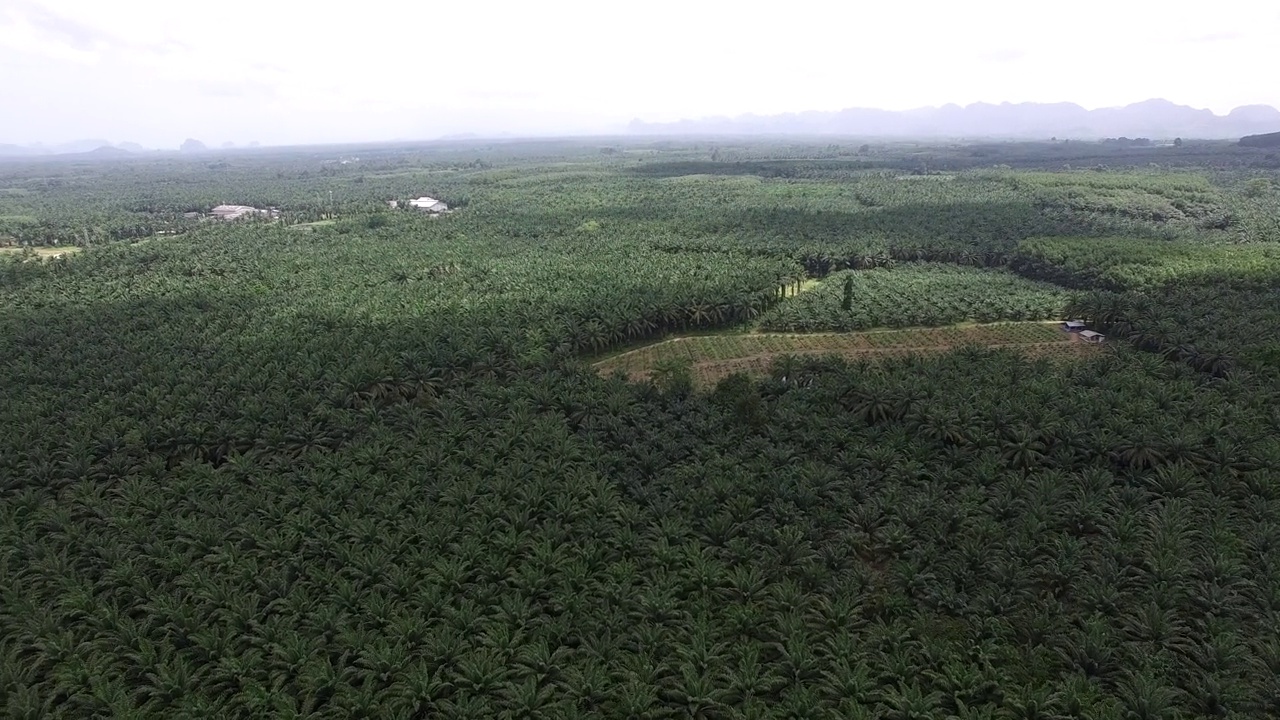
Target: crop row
<point>720,348</point>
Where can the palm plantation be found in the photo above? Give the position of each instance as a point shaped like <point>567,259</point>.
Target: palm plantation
<point>367,470</point>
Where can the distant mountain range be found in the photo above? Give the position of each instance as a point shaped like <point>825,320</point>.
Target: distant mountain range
<point>77,147</point>
<point>100,148</point>
<point>1157,119</point>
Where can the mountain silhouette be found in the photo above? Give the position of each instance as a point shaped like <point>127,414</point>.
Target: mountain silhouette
<point>1155,118</point>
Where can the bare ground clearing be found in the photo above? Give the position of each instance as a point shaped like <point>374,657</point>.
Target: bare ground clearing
<point>44,252</point>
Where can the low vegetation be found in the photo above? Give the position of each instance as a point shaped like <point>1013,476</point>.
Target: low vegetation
<point>710,359</point>
<point>916,294</point>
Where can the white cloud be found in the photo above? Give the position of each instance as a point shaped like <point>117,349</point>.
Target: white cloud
<point>279,71</point>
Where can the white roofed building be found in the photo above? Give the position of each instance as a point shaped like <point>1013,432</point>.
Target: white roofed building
<point>235,212</point>
<point>427,204</point>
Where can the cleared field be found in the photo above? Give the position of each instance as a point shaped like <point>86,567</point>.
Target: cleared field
<point>42,252</point>
<point>717,356</point>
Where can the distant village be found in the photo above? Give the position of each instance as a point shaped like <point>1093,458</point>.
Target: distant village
<point>228,213</point>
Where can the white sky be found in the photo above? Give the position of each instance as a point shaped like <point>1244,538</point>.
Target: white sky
<point>287,72</point>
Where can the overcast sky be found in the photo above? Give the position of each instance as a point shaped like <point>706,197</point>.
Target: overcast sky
<point>286,72</point>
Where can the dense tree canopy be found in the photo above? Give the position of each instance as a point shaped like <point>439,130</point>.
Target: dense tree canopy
<point>362,468</point>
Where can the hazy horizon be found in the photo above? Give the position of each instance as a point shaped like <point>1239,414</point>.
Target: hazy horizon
<point>156,75</point>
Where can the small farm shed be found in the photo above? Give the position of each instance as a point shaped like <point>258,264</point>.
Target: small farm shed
<point>1091,336</point>
<point>430,205</point>
<point>1073,325</point>
<point>235,212</point>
